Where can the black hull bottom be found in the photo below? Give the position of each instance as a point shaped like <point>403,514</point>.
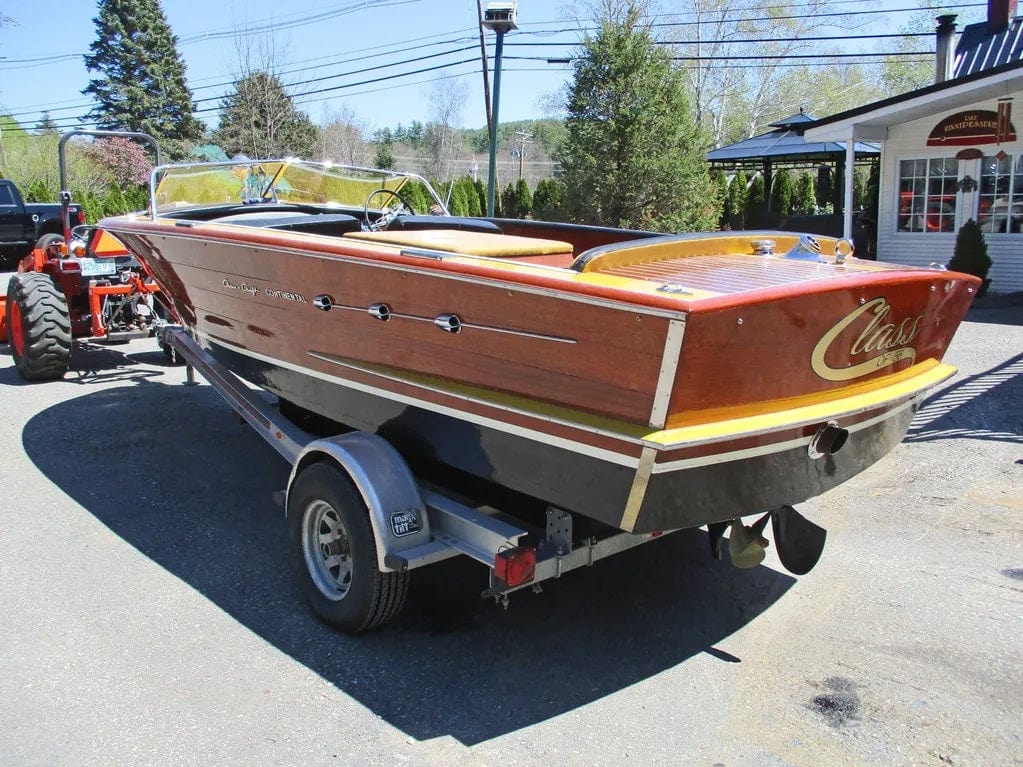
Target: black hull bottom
<point>692,495</point>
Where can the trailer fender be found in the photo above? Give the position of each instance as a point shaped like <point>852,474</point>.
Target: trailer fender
<point>396,510</point>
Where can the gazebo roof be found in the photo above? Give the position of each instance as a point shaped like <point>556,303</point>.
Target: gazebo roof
<point>785,144</point>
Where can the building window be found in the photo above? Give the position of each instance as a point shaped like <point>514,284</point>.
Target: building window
<point>1000,204</point>
<point>927,195</point>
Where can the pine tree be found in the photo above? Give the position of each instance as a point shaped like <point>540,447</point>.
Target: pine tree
<point>804,199</point>
<point>737,193</point>
<point>510,202</point>
<point>141,83</point>
<point>523,199</point>
<point>46,124</point>
<point>548,200</point>
<point>260,121</point>
<point>781,194</point>
<point>755,203</point>
<point>633,154</point>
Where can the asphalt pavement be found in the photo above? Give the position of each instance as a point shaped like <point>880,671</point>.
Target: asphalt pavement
<point>147,613</point>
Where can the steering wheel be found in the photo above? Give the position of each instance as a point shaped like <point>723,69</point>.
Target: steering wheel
<point>388,215</point>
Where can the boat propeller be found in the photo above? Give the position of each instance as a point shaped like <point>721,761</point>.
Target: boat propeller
<point>799,541</point>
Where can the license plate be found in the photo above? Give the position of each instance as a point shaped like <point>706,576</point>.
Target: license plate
<point>96,267</point>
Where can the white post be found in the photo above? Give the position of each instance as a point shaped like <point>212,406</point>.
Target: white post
<point>850,172</point>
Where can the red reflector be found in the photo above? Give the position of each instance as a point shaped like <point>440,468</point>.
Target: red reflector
<point>81,216</point>
<point>67,265</point>
<point>515,566</point>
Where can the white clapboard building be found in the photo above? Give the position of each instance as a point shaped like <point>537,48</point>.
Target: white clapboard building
<point>950,152</point>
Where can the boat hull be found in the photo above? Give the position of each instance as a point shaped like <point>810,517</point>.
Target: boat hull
<point>728,480</point>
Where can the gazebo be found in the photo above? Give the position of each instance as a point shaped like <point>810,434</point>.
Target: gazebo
<point>786,148</point>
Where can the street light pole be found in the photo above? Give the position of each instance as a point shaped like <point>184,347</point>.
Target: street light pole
<point>500,18</point>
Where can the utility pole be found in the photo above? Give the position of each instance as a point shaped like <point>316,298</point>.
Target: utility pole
<point>522,138</point>
<point>499,17</point>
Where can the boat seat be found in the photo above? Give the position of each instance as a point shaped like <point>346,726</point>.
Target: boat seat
<point>468,243</point>
<point>461,223</point>
<point>335,224</point>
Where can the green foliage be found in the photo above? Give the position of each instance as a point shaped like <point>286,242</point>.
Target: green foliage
<point>719,182</point>
<point>633,154</point>
<point>510,202</point>
<point>384,157</point>
<point>418,197</point>
<point>970,254</point>
<point>91,203</point>
<point>548,200</point>
<point>40,191</point>
<point>804,197</point>
<point>481,192</point>
<point>458,205</point>
<point>260,121</point>
<point>114,203</point>
<point>467,189</point>
<point>781,194</point>
<point>755,202</point>
<point>737,193</point>
<point>523,199</point>
<point>859,188</point>
<point>141,77</point>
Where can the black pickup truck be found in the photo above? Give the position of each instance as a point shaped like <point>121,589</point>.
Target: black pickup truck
<point>22,224</point>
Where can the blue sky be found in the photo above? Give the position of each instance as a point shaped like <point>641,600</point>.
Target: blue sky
<point>353,35</point>
<point>319,45</point>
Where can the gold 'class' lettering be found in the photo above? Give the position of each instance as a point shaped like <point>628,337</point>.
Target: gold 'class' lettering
<point>886,340</point>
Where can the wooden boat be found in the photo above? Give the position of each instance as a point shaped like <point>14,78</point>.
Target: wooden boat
<point>645,382</point>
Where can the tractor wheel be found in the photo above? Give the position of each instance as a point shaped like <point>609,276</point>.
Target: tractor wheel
<point>38,327</point>
<point>49,239</point>
<point>334,552</point>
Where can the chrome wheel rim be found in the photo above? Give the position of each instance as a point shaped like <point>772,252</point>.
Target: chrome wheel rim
<point>327,549</point>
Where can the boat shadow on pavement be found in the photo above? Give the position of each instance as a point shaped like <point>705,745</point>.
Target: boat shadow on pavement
<point>196,487</point>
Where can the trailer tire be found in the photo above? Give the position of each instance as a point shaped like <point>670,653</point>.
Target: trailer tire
<point>38,327</point>
<point>334,552</point>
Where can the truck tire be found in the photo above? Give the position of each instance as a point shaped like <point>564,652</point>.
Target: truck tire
<point>334,552</point>
<point>38,327</point>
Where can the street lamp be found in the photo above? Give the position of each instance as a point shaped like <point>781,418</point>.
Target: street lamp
<point>499,17</point>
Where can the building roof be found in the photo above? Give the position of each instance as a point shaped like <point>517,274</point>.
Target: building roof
<point>980,49</point>
<point>785,143</point>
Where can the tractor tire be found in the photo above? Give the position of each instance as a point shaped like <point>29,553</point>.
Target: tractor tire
<point>334,552</point>
<point>49,239</point>
<point>38,327</point>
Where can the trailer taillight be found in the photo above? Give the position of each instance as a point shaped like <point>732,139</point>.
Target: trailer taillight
<point>67,265</point>
<point>515,566</point>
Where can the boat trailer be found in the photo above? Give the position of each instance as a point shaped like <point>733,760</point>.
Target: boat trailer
<point>360,521</point>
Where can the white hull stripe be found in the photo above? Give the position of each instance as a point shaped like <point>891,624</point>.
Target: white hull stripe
<point>544,437</point>
<point>777,447</point>
<point>490,423</point>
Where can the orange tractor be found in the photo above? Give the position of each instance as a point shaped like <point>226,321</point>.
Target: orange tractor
<point>84,284</point>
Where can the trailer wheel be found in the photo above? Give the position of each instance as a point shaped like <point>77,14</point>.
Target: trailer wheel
<point>334,552</point>
<point>39,327</point>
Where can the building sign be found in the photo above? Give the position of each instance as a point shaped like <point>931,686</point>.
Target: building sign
<point>978,126</point>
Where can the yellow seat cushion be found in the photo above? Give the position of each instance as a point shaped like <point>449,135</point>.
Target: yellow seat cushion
<point>467,243</point>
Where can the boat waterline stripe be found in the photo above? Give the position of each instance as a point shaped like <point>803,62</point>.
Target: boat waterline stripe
<point>491,423</point>
<point>560,442</point>
<point>775,447</point>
